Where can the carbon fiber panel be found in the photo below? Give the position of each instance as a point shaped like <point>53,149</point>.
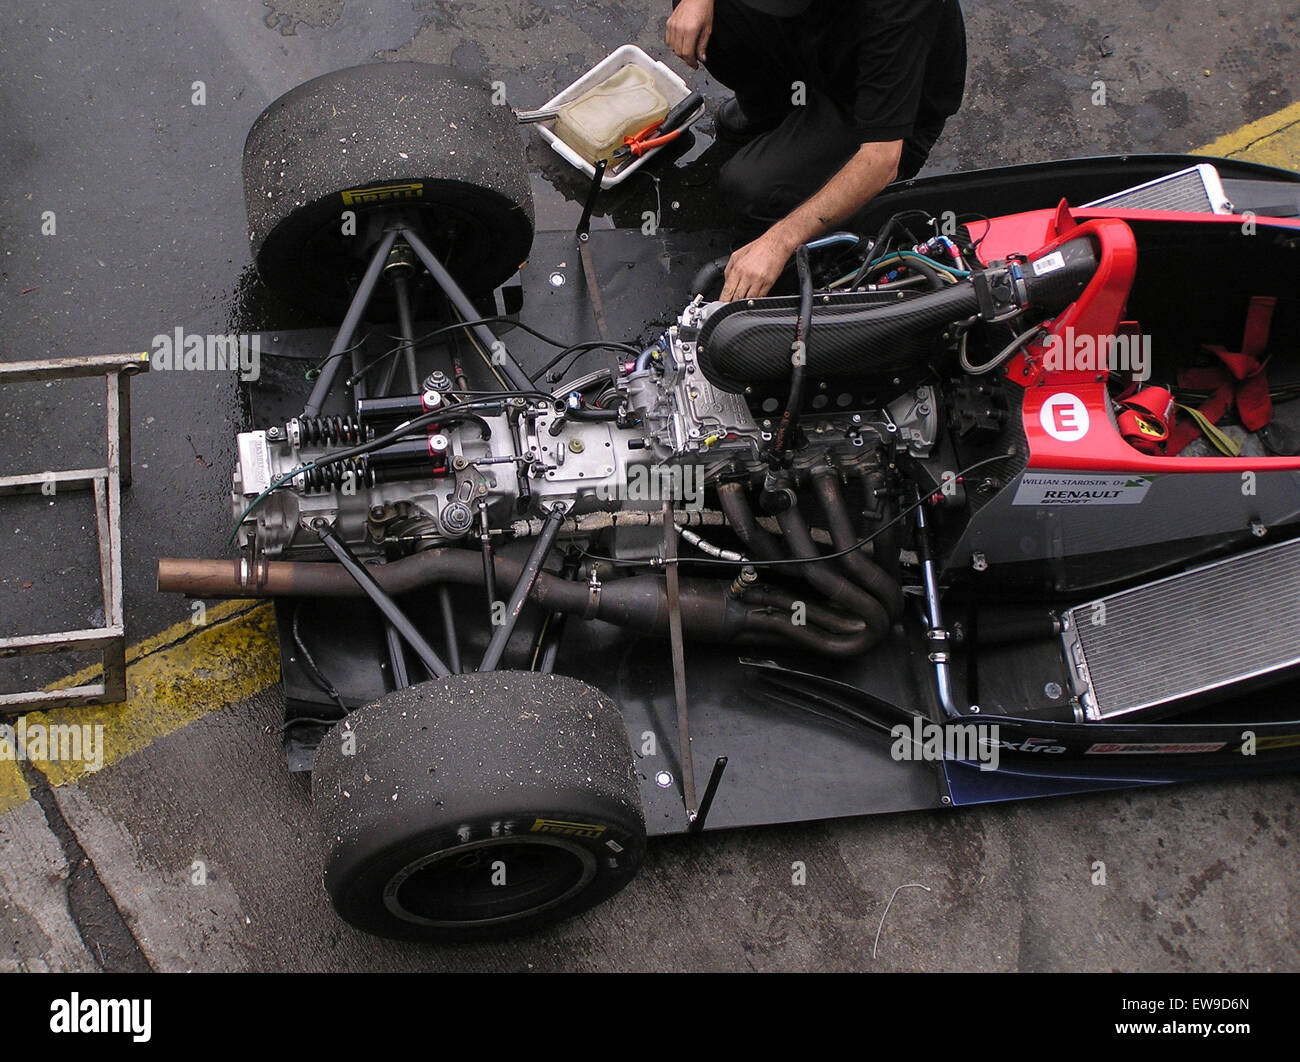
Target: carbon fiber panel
<point>852,335</point>
<point>862,334</point>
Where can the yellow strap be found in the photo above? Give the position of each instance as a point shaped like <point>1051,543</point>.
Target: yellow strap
<point>1221,442</point>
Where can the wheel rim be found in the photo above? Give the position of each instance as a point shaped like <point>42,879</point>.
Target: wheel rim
<point>455,887</point>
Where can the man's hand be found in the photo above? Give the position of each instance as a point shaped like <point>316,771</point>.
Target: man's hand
<point>753,269</point>
<point>689,27</point>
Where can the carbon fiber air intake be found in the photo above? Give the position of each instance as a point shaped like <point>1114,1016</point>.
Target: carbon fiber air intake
<point>864,334</point>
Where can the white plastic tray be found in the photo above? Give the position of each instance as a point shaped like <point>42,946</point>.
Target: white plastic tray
<point>673,88</point>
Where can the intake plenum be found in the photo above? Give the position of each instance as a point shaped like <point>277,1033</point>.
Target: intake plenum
<point>864,334</point>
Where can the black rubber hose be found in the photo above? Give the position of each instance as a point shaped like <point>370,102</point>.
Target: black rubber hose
<point>868,574</point>
<point>799,353</point>
<point>593,414</point>
<point>831,583</point>
<point>1004,627</point>
<point>935,281</point>
<point>710,273</point>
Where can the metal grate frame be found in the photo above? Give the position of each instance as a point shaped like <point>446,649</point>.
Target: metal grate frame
<point>106,483</point>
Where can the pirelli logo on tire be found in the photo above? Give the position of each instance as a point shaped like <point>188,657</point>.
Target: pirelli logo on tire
<point>566,829</point>
<point>383,193</point>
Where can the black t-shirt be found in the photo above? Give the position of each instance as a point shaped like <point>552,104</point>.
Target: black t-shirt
<point>896,66</point>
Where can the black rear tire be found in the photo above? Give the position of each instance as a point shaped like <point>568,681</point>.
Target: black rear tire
<point>416,136</point>
<point>478,805</point>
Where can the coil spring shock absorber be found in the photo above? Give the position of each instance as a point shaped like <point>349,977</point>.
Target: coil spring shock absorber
<point>327,431</point>
<point>355,471</point>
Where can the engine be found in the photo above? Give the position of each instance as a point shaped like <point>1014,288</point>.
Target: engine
<point>663,431</point>
<point>778,460</point>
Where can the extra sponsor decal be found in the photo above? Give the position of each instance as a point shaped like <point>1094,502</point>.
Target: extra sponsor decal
<point>1054,488</point>
<point>1033,744</point>
<point>1159,749</point>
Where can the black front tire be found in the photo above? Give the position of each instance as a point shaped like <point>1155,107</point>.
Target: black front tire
<point>412,136</point>
<point>479,805</point>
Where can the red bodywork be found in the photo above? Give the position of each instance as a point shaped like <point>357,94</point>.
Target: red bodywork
<point>1077,402</point>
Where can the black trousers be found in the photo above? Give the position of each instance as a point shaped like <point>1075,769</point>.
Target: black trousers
<point>759,57</point>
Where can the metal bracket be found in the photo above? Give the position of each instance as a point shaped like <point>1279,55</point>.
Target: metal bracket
<point>106,484</point>
<point>679,666</point>
<point>584,250</point>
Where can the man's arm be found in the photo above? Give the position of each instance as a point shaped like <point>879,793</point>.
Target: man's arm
<point>754,268</point>
<point>688,31</point>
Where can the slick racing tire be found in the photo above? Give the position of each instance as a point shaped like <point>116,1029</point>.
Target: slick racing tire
<point>329,157</point>
<point>479,805</point>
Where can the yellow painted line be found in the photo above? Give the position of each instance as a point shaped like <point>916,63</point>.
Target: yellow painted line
<point>13,790</point>
<point>1273,140</point>
<point>172,679</point>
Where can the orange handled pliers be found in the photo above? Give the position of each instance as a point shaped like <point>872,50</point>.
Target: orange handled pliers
<point>656,134</point>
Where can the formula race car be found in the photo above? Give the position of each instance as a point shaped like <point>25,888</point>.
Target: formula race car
<point>996,496</point>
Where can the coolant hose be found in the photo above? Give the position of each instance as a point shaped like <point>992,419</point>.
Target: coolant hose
<point>710,273</point>
<point>798,354</point>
